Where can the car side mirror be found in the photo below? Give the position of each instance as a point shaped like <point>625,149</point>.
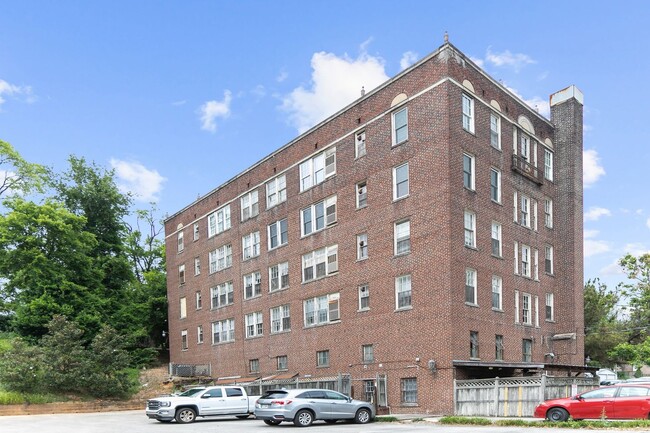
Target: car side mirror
<point>578,397</point>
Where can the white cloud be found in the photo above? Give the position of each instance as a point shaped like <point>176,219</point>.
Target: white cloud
<point>541,105</point>
<point>479,62</point>
<point>335,82</point>
<point>283,75</point>
<point>591,168</point>
<point>212,110</point>
<point>8,89</point>
<point>408,58</point>
<point>636,249</point>
<point>612,269</point>
<point>506,58</point>
<point>592,246</point>
<point>134,177</point>
<point>595,213</point>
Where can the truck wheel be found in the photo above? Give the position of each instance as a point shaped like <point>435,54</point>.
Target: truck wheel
<point>271,422</point>
<point>363,416</point>
<point>557,414</point>
<point>185,415</point>
<point>303,418</point>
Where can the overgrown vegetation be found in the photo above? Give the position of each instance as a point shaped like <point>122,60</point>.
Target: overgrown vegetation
<point>571,424</point>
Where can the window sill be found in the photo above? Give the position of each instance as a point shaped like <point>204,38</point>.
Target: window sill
<point>500,257</point>
<point>470,247</point>
<point>284,331</point>
<point>402,254</point>
<point>497,310</point>
<point>254,337</point>
<point>363,310</point>
<point>278,247</point>
<point>322,366</point>
<point>253,297</point>
<point>303,236</point>
<point>245,259</point>
<point>497,202</point>
<point>409,308</point>
<point>400,143</point>
<point>470,132</point>
<point>281,289</point>
<point>318,325</point>
<point>395,200</point>
<point>221,343</point>
<point>472,190</point>
<point>409,405</point>
<point>320,278</point>
<point>363,259</point>
<point>496,147</point>
<point>550,274</point>
<point>471,304</point>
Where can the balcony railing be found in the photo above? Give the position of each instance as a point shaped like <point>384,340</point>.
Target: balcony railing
<point>526,169</point>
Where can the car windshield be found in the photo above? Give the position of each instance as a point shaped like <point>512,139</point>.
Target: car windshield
<point>191,392</point>
<point>274,394</point>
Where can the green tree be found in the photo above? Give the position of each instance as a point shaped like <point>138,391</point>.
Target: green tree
<point>22,367</point>
<point>18,175</point>
<point>637,291</point>
<point>602,328</point>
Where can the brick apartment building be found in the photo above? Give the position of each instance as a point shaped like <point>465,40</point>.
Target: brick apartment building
<point>429,231</point>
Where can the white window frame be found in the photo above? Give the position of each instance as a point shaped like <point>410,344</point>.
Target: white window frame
<point>250,206</point>
<point>516,258</point>
<point>549,265</point>
<point>362,246</point>
<point>281,237</point>
<point>516,306</point>
<point>278,273</point>
<point>548,213</point>
<point>469,177</point>
<point>184,343</point>
<point>180,241</point>
<point>317,169</point>
<point>182,303</point>
<point>403,292</point>
<point>402,237</point>
<point>250,245</point>
<point>496,238</point>
<point>276,191</point>
<point>470,285</point>
<point>199,334</point>
<point>220,259</point>
<point>548,165</point>
<point>223,331</point>
<point>495,189</point>
<point>197,266</point>
<point>196,232</point>
<point>326,257</point>
<point>322,310</point>
<point>310,214</point>
<point>409,390</point>
<point>219,221</point>
<point>398,128</point>
<point>254,365</point>
<point>367,353</point>
<point>526,266</point>
<point>181,274</point>
<point>280,318</point>
<point>497,293</point>
<point>323,358</point>
<point>495,131</point>
<point>469,224</point>
<point>525,218</point>
<point>535,264</point>
<point>222,295</point>
<point>282,362</point>
<point>526,309</point>
<point>524,147</point>
<point>362,194</point>
<point>254,323</point>
<point>364,297</point>
<point>198,300</point>
<point>360,144</point>
<point>395,183</point>
<point>252,285</point>
<point>549,311</point>
<point>468,113</point>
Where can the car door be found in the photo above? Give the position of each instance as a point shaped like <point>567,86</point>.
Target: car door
<point>317,400</point>
<point>236,400</point>
<point>341,408</point>
<point>211,401</point>
<point>632,402</point>
<point>593,404</point>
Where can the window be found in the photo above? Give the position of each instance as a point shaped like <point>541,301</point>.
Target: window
<point>497,290</point>
<point>198,300</point>
<point>495,185</point>
<point>321,310</point>
<point>249,205</point>
<point>278,234</point>
<point>468,114</point>
<point>516,257</point>
<point>495,131</point>
<point>524,147</point>
<point>254,324</point>
<point>400,126</point>
<point>498,347</point>
<point>253,365</point>
<point>364,297</point>
<point>183,307</point>
<point>470,286</point>
<point>362,195</point>
<point>409,388</point>
<point>496,239</point>
<point>525,261</point>
<point>276,191</point>
<point>222,295</point>
<point>219,221</point>
<point>181,244</point>
<point>516,306</point>
<point>526,309</point>
<point>221,258</point>
<point>402,237</point>
<point>252,285</point>
<point>362,247</point>
<point>403,292</point>
<point>223,331</point>
<point>318,216</point>
<point>280,319</point>
<point>320,263</point>
<point>181,274</point>
<point>468,171</point>
<point>548,165</point>
<point>548,260</point>
<point>196,231</point>
<point>279,276</point>
<point>400,181</point>
<point>524,218</point>
<point>251,245</point>
<point>360,144</point>
<point>323,358</point>
<point>550,307</point>
<point>473,345</point>
<point>197,266</point>
<point>470,229</point>
<point>199,334</point>
<point>282,362</point>
<point>548,213</point>
<point>367,353</point>
<point>315,170</point>
<point>184,339</point>
<point>527,350</point>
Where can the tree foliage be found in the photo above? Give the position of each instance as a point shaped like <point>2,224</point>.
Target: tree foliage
<point>18,176</point>
<point>602,328</point>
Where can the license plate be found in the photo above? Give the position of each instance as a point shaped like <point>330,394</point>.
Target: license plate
<point>265,405</point>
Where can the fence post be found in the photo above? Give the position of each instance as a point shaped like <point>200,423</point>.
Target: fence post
<point>455,398</point>
<point>496,396</point>
<point>542,391</point>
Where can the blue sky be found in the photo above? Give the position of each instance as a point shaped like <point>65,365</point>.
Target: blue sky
<point>179,97</point>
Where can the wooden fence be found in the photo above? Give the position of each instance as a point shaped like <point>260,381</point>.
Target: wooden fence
<point>514,396</point>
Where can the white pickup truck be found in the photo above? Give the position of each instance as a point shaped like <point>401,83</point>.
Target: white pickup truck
<point>202,401</point>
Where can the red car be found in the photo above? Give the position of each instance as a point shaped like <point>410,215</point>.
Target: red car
<point>624,401</point>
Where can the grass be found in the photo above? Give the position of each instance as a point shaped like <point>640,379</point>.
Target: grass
<point>571,424</point>
<point>11,397</point>
<point>386,419</point>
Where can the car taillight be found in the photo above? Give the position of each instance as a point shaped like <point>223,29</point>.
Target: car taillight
<point>281,402</point>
